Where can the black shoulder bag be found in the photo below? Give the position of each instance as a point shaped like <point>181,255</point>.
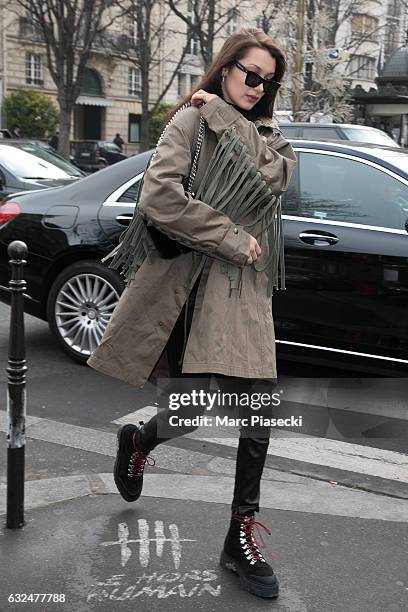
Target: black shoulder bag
<point>167,247</point>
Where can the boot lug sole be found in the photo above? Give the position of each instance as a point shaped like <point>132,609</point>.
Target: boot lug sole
<point>267,591</point>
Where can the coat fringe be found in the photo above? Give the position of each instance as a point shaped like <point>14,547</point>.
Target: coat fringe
<point>232,185</point>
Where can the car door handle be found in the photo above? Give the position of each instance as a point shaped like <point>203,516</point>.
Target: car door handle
<point>311,237</point>
<point>124,219</point>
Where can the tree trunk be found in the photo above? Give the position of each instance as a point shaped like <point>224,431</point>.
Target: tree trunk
<point>210,34</point>
<point>64,131</point>
<point>310,44</point>
<point>144,131</point>
<point>297,79</point>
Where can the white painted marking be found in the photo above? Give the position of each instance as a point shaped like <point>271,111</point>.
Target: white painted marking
<point>144,542</point>
<point>187,584</point>
<point>333,453</point>
<point>143,414</point>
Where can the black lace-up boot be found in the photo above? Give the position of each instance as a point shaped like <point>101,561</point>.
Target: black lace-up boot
<point>130,462</point>
<point>242,555</point>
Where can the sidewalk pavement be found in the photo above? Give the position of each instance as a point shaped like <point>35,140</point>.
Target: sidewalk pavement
<point>335,549</point>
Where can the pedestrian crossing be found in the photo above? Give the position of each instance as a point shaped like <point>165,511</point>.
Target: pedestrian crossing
<point>194,475</point>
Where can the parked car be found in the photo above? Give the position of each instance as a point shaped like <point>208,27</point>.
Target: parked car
<point>45,151</point>
<point>95,154</point>
<point>22,170</point>
<point>346,246</point>
<point>5,133</point>
<point>336,131</point>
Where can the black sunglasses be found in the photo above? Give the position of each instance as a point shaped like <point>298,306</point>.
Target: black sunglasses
<point>253,79</point>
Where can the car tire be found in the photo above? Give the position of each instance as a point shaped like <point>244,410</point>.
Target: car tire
<point>80,304</point>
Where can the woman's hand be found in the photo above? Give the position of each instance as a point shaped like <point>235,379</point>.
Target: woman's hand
<point>255,250</point>
<point>201,97</point>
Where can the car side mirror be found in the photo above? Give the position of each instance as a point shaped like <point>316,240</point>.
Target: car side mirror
<point>406,225</point>
<point>2,185</point>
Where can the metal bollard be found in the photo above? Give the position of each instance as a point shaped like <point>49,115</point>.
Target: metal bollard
<point>16,396</point>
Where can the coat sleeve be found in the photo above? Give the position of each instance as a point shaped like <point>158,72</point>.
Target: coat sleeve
<point>273,156</point>
<point>164,202</point>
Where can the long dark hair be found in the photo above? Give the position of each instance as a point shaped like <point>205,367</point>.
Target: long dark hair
<point>235,48</point>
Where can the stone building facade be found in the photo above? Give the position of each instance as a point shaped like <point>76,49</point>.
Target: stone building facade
<point>110,100</point>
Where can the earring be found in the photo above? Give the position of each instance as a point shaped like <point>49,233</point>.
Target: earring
<point>223,77</point>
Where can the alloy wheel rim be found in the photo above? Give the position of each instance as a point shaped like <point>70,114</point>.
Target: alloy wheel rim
<point>83,308</point>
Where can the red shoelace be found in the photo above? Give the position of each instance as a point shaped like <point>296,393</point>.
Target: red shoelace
<point>249,523</point>
<point>138,460</point>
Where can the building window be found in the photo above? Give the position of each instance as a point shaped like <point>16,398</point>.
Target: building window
<point>134,128</point>
<point>135,81</point>
<point>232,21</point>
<point>181,84</point>
<point>391,37</point>
<point>193,48</point>
<point>259,22</point>
<point>193,44</point>
<point>91,84</point>
<point>364,26</point>
<point>362,67</point>
<point>394,8</point>
<point>195,78</point>
<point>134,31</point>
<point>33,69</point>
<point>30,29</point>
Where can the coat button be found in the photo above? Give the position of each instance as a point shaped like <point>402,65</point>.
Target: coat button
<point>235,230</point>
<point>161,323</point>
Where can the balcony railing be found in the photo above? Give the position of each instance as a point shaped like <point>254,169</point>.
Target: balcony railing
<point>119,43</point>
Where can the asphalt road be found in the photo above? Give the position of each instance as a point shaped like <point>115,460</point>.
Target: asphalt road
<point>337,505</point>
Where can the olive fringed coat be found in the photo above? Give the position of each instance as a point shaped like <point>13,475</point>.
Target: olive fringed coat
<point>232,332</point>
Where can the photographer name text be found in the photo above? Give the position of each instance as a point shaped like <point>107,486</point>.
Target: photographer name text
<point>253,420</point>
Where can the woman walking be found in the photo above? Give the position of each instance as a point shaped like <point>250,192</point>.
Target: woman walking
<point>209,309</point>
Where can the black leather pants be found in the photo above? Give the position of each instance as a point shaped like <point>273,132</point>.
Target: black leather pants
<point>253,440</point>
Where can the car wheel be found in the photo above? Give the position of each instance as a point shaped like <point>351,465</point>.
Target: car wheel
<point>80,304</point>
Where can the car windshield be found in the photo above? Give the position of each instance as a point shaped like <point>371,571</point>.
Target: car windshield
<point>49,156</point>
<point>28,166</point>
<point>372,136</point>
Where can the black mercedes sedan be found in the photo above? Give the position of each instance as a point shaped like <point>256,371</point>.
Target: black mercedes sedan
<point>346,252</point>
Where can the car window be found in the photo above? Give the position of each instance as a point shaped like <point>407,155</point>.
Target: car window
<point>110,146</point>
<point>130,195</point>
<point>340,189</point>
<point>315,133</point>
<point>27,166</point>
<point>51,157</point>
<point>83,147</point>
<point>290,198</point>
<point>288,131</point>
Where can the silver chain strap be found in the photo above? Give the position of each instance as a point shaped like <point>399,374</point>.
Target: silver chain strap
<point>200,139</point>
